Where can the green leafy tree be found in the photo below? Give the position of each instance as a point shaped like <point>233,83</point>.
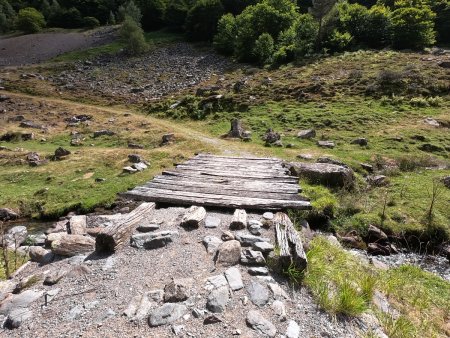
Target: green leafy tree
<point>90,22</point>
<point>176,13</point>
<point>306,31</point>
<point>7,16</point>
<point>321,11</point>
<point>67,18</point>
<point>413,27</point>
<point>264,49</point>
<point>338,41</point>
<point>353,18</point>
<point>236,7</point>
<point>130,9</point>
<point>30,20</point>
<point>111,19</point>
<point>202,19</point>
<point>152,13</point>
<point>45,9</point>
<point>133,36</point>
<point>269,16</point>
<point>226,35</point>
<point>378,27</point>
<point>442,21</point>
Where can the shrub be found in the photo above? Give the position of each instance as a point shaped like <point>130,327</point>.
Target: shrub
<point>67,18</point>
<point>263,49</point>
<point>378,27</point>
<point>236,7</point>
<point>306,30</point>
<point>133,36</point>
<point>91,22</point>
<point>152,13</point>
<point>413,27</point>
<point>131,10</point>
<point>30,20</point>
<point>353,19</point>
<point>202,19</point>
<point>226,34</point>
<point>175,13</point>
<point>442,21</point>
<point>418,102</point>
<point>338,41</point>
<point>7,16</point>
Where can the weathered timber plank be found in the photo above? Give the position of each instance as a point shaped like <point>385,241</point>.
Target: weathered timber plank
<point>289,241</point>
<point>190,198</point>
<point>190,174</point>
<point>232,162</point>
<point>239,220</point>
<point>260,159</point>
<point>257,186</point>
<point>119,233</point>
<point>193,217</point>
<point>243,172</point>
<point>246,169</point>
<point>222,190</point>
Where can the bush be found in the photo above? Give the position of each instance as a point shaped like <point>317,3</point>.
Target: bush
<point>90,22</point>
<point>353,19</point>
<point>131,10</point>
<point>133,36</point>
<point>152,13</point>
<point>7,16</point>
<point>306,30</point>
<point>226,34</point>
<point>442,21</point>
<point>176,13</point>
<point>30,20</point>
<point>413,27</point>
<point>67,18</point>
<point>202,19</point>
<point>236,7</point>
<point>264,48</point>
<point>338,41</point>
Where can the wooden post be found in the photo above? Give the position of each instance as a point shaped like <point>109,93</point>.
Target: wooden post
<point>118,233</point>
<point>239,220</point>
<point>289,241</point>
<point>194,217</point>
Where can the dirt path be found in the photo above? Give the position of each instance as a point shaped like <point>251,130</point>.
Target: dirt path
<point>35,48</point>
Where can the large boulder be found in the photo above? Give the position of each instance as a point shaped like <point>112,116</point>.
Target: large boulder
<point>324,173</point>
<point>15,236</point>
<point>229,253</point>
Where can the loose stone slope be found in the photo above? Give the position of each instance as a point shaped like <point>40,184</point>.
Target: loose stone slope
<point>205,281</point>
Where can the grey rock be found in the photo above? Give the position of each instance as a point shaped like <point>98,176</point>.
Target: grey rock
<point>261,325</point>
<point>166,314</point>
<point>229,253</point>
<point>36,239</point>
<point>306,134</point>
<point>254,226</point>
<point>215,282</point>
<point>135,158</point>
<point>103,132</point>
<point>279,309</point>
<point>143,309</point>
<point>329,160</point>
<point>8,214</point>
<point>212,319</point>
<point>153,240</point>
<point>141,166</point>
<point>75,312</point>
<point>377,180</point>
<point>277,291</point>
<point>324,173</point>
<point>361,141</point>
<point>218,299</point>
<point>227,236</point>
<point>263,247</point>
<point>54,277</point>
<point>258,271</point>
<point>326,144</point>
<point>268,215</point>
<point>258,293</point>
<point>19,301</point>
<point>446,181</point>
<point>212,243</point>
<point>15,236</point>
<point>251,257</point>
<point>61,152</point>
<point>129,170</point>
<point>293,330</point>
<point>248,239</point>
<point>212,222</point>
<point>177,290</point>
<point>156,295</point>
<point>40,255</point>
<point>177,329</point>
<point>432,122</point>
<point>234,278</point>
<point>17,316</point>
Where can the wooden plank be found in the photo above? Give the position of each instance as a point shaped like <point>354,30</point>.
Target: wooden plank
<point>191,198</point>
<point>289,241</point>
<point>243,172</point>
<point>193,217</point>
<point>239,220</point>
<point>118,233</point>
<point>234,162</point>
<point>222,190</point>
<point>257,186</point>
<point>188,174</point>
<point>246,169</point>
<point>239,158</point>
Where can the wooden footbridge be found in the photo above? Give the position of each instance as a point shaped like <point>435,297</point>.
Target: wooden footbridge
<point>225,182</point>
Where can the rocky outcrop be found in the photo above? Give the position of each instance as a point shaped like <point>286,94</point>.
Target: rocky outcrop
<point>327,174</point>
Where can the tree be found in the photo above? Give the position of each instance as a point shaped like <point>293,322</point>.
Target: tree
<point>67,18</point>
<point>112,18</point>
<point>320,10</point>
<point>263,49</point>
<point>90,22</point>
<point>306,31</point>
<point>413,27</point>
<point>378,27</point>
<point>442,21</point>
<point>45,9</point>
<point>176,13</point>
<point>131,10</point>
<point>7,16</point>
<point>236,7</point>
<point>202,19</point>
<point>133,36</point>
<point>30,20</point>
<point>226,35</point>
<point>152,13</point>
<point>268,16</point>
<point>353,18</point>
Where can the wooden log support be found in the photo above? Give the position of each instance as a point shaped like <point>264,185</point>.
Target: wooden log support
<point>194,217</point>
<point>239,220</point>
<point>72,245</point>
<point>289,241</point>
<point>119,232</point>
<point>77,225</point>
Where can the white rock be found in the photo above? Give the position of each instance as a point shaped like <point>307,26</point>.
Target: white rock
<point>234,278</point>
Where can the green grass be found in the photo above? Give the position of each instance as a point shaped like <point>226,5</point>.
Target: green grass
<point>15,261</point>
<point>343,284</point>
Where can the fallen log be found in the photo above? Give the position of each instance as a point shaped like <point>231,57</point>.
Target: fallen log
<point>289,241</point>
<point>194,217</point>
<point>77,225</point>
<point>119,232</point>
<point>72,245</point>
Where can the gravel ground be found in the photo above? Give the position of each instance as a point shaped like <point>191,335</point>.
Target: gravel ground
<point>35,48</point>
<point>91,303</point>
